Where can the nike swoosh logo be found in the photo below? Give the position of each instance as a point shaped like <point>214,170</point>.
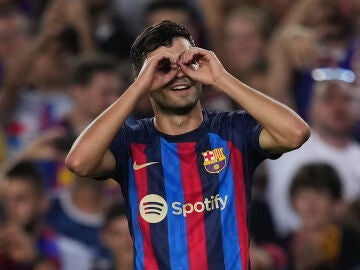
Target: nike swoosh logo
<point>140,166</point>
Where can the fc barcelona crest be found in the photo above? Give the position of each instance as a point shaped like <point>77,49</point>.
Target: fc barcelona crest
<point>214,160</point>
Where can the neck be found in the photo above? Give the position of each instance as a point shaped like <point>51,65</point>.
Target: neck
<point>173,124</point>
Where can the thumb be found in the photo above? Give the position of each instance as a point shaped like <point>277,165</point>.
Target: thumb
<point>189,69</point>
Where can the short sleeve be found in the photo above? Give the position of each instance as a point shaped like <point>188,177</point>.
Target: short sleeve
<point>250,131</point>
<point>119,147</point>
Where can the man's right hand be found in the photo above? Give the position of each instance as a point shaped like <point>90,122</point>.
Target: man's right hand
<point>156,72</point>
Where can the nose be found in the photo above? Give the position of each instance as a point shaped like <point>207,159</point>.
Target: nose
<point>180,73</point>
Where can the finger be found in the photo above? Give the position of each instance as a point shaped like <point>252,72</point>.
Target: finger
<point>187,56</point>
<point>163,62</point>
<point>193,55</point>
<point>158,57</point>
<point>188,69</point>
<point>169,76</point>
<point>164,65</point>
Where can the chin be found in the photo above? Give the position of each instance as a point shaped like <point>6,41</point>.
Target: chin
<point>178,110</point>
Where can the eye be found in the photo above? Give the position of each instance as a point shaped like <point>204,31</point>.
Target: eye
<point>164,65</point>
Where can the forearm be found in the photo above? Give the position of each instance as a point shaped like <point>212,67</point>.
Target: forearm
<point>213,18</point>
<point>279,74</point>
<point>87,157</point>
<point>86,40</point>
<point>297,12</point>
<point>285,128</point>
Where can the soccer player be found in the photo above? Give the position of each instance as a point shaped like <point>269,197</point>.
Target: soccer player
<point>185,173</point>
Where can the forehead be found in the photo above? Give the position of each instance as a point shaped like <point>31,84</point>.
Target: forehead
<point>178,46</point>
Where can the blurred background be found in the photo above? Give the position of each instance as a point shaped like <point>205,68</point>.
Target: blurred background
<point>62,62</point>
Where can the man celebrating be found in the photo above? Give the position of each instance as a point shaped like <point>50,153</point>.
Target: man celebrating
<point>185,173</point>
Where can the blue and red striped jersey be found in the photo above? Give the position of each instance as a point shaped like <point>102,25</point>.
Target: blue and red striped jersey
<point>187,195</point>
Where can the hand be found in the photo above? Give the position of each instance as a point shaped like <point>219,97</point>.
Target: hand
<point>44,147</point>
<point>76,14</point>
<point>156,72</point>
<point>300,46</point>
<point>53,23</point>
<point>201,65</point>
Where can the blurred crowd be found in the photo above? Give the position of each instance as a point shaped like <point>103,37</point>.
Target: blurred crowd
<point>62,62</point>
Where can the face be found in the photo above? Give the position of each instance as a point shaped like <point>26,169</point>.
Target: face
<point>243,43</point>
<point>334,109</point>
<point>101,92</point>
<point>117,238</point>
<point>51,66</point>
<point>22,203</point>
<point>313,207</point>
<point>182,93</point>
<point>13,36</point>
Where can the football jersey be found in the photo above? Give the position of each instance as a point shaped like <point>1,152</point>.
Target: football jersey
<point>187,195</point>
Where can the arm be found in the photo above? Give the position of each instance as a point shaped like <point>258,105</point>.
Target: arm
<point>76,15</point>
<point>213,12</point>
<point>292,48</point>
<point>283,129</point>
<point>89,156</point>
<point>12,81</point>
<point>55,19</point>
<point>51,27</point>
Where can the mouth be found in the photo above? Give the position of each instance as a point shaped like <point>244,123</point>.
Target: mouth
<point>180,87</point>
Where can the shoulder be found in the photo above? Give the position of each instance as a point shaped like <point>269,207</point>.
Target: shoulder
<point>136,131</point>
<point>237,117</point>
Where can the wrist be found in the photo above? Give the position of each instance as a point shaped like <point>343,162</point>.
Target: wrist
<point>221,81</point>
<point>139,89</point>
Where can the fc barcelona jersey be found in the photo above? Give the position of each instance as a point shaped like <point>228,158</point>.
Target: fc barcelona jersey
<point>187,195</point>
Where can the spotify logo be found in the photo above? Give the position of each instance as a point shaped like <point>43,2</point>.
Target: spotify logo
<point>153,208</point>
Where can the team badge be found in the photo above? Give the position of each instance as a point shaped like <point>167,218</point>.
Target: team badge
<point>214,160</point>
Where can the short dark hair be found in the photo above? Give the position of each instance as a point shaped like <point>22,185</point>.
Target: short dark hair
<point>87,66</point>
<point>318,176</point>
<point>155,36</point>
<point>27,171</point>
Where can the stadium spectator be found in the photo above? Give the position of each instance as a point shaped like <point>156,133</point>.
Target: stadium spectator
<point>14,35</point>
<point>77,213</point>
<point>333,118</point>
<point>314,34</point>
<point>27,241</point>
<point>116,237</point>
<point>320,242</point>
